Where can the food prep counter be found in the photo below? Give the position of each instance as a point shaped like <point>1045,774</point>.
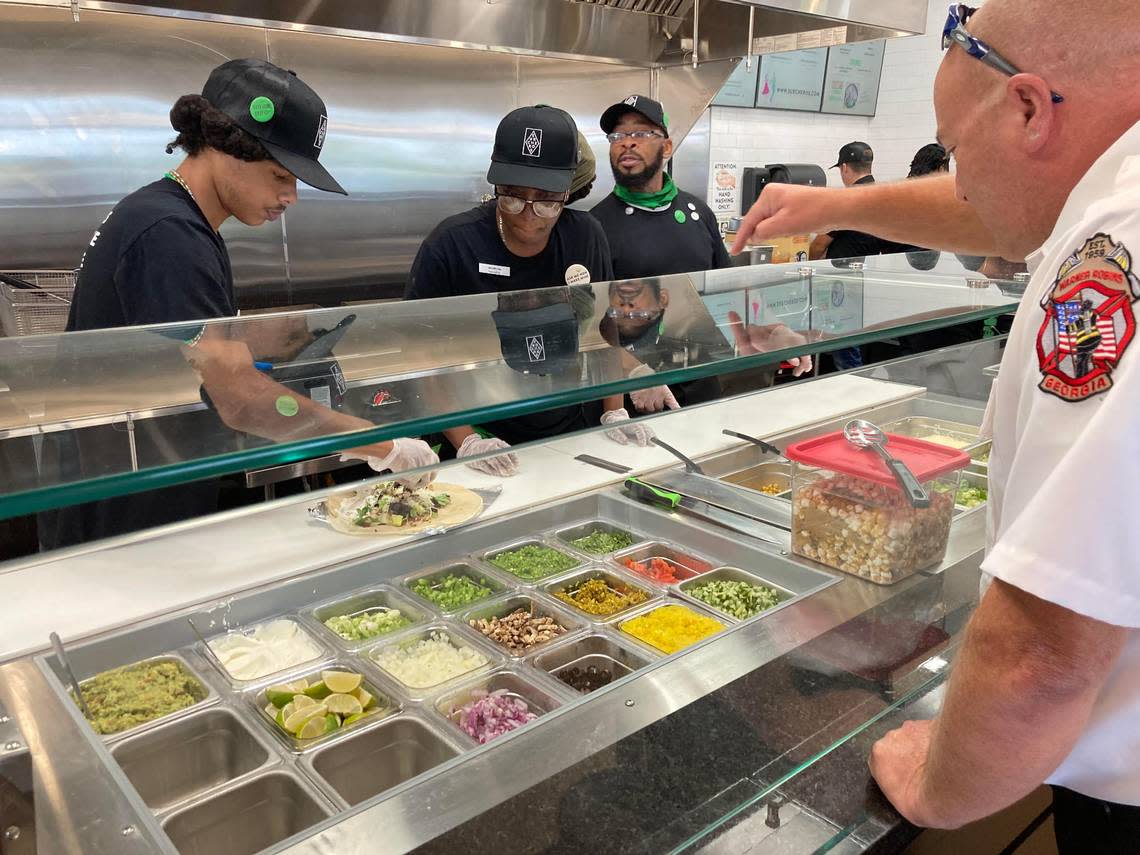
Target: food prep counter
<point>650,710</point>
<point>621,674</point>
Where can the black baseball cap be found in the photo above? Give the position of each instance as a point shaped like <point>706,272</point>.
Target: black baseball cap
<point>280,110</point>
<point>643,104</point>
<point>855,152</point>
<point>535,147</point>
<point>541,340</point>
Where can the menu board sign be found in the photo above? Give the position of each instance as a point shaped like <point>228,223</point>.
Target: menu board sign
<point>740,88</point>
<point>851,83</point>
<point>792,80</point>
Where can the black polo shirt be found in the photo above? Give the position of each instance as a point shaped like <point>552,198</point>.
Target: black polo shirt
<point>846,243</point>
<point>681,238</point>
<point>466,255</point>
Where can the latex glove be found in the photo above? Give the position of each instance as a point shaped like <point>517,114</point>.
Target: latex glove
<point>405,454</point>
<point>654,399</point>
<point>503,465</point>
<point>626,431</point>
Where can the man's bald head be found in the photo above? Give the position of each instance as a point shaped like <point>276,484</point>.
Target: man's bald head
<point>1018,154</point>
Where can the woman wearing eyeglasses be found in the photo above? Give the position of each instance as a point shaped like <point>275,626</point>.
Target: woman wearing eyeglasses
<point>524,238</point>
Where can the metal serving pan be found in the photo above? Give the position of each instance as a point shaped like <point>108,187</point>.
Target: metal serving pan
<point>381,598</point>
<point>380,757</point>
<point>599,650</point>
<point>536,606</point>
<point>733,574</point>
<point>614,580</point>
<point>248,817</point>
<point>191,756</point>
<point>470,569</point>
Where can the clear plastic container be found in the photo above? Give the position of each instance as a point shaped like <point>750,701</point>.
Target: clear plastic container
<point>848,512</point>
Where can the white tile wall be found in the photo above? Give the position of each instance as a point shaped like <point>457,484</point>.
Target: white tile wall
<point>902,124</point>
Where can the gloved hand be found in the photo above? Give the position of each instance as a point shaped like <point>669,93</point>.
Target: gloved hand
<point>504,465</point>
<point>652,400</point>
<point>626,431</point>
<point>405,454</point>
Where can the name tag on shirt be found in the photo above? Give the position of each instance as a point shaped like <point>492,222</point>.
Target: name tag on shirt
<point>494,269</point>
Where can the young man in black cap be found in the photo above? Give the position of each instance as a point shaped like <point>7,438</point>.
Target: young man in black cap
<point>654,228</point>
<point>854,163</point>
<point>525,238</point>
<point>158,258</point>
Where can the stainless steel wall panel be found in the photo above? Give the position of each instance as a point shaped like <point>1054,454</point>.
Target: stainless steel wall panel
<point>548,27</point>
<point>584,90</point>
<point>687,91</point>
<point>410,136</point>
<point>84,122</point>
<point>691,160</point>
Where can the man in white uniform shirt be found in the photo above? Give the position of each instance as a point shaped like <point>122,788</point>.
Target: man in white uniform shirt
<point>1042,116</point>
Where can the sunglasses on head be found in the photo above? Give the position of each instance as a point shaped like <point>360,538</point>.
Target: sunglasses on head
<point>955,33</point>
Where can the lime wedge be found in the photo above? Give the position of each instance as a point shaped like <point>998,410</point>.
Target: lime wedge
<point>344,705</point>
<point>301,717</point>
<point>318,690</point>
<point>281,694</point>
<point>302,701</point>
<point>313,728</point>
<point>349,719</point>
<point>341,682</point>
<point>365,697</point>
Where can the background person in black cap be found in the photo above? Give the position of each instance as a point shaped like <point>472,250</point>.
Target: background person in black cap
<point>854,163</point>
<point>525,238</point>
<point>654,228</point>
<point>157,257</point>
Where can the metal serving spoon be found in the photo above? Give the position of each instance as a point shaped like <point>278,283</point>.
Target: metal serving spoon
<point>861,433</point>
<point>61,654</point>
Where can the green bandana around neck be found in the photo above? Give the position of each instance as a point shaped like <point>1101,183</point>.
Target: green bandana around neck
<point>649,201</point>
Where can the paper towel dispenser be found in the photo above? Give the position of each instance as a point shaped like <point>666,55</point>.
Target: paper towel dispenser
<point>756,178</point>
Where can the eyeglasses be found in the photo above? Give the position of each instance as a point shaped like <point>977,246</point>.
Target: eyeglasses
<point>635,315</point>
<point>547,209</point>
<point>955,33</point>
<point>618,136</point>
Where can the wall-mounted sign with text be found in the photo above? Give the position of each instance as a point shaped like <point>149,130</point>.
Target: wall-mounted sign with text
<point>793,80</point>
<point>740,88</point>
<point>851,84</point>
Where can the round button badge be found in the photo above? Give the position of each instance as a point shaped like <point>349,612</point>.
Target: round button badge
<point>577,274</point>
<point>628,211</point>
<point>261,109</point>
<point>679,216</point>
<point>692,207</point>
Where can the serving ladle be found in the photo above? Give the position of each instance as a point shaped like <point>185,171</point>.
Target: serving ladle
<point>864,434</point>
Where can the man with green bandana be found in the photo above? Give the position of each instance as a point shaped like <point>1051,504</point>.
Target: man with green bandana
<point>653,227</point>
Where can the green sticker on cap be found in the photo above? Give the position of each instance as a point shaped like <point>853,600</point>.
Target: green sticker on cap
<point>261,108</point>
<point>665,119</point>
<point>288,406</point>
<point>679,216</point>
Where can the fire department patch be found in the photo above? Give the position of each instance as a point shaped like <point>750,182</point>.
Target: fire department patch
<point>1089,320</point>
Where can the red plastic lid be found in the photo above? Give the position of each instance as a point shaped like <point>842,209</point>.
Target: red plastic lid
<point>832,451</point>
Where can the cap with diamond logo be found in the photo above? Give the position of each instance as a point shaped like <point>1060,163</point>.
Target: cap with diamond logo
<point>535,147</point>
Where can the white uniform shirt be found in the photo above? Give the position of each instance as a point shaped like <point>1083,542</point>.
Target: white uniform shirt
<point>1065,468</point>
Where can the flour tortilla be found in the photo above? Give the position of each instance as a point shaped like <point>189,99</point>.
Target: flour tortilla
<point>465,505</point>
